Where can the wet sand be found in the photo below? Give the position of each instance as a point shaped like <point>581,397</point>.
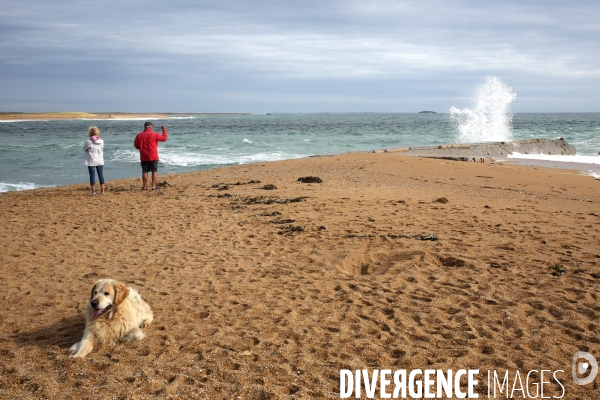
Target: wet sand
<point>390,263</point>
<point>585,168</point>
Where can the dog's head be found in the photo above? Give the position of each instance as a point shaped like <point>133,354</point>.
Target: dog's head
<point>106,296</point>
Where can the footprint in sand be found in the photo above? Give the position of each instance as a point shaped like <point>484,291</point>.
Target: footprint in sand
<point>367,262</point>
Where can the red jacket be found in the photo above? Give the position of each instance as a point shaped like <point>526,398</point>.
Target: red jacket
<point>147,143</point>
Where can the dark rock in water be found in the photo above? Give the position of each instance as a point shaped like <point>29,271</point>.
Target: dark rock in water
<point>310,179</point>
<point>427,112</point>
<point>269,187</point>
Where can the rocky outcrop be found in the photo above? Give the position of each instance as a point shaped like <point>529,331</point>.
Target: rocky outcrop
<point>481,152</point>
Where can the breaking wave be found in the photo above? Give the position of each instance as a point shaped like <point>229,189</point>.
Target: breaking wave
<point>489,119</point>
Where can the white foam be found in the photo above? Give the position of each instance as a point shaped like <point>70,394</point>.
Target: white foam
<point>183,158</point>
<point>593,174</point>
<point>120,119</point>
<point>199,159</point>
<point>546,157</point>
<point>247,141</point>
<point>489,120</point>
<point>14,186</point>
<point>126,155</point>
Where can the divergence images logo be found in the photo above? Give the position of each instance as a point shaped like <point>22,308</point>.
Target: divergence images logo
<point>581,367</point>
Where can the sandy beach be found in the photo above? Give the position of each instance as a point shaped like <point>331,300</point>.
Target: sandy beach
<point>390,262</point>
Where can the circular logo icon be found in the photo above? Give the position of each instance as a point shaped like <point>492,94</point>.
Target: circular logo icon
<point>581,367</point>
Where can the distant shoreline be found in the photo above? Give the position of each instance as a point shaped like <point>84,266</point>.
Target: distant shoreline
<point>105,115</point>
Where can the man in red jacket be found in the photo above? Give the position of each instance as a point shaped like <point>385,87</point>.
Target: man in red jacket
<point>147,143</point>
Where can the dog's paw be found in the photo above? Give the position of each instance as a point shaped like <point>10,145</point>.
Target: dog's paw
<point>149,317</point>
<point>73,350</point>
<point>134,335</point>
<point>81,349</point>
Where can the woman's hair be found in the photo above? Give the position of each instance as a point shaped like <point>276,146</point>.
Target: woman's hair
<point>93,131</point>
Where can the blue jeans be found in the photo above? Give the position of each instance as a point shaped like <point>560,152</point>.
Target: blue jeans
<point>92,171</point>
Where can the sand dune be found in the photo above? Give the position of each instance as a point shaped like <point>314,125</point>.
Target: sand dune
<point>390,262</point>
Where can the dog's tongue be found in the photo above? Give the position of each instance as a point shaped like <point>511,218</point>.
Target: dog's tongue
<point>96,313</point>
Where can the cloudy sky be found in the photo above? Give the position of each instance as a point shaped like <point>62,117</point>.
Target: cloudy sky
<point>297,55</point>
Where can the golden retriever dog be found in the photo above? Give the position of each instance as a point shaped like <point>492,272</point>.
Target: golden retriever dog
<point>115,313</point>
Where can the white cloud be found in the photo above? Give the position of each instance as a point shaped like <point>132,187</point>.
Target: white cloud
<point>356,41</point>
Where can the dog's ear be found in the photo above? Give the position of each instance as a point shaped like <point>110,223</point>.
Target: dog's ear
<point>121,292</point>
<point>92,294</point>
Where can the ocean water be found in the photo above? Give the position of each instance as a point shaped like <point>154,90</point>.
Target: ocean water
<point>50,153</point>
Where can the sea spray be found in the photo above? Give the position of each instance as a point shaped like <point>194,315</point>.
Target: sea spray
<point>490,118</point>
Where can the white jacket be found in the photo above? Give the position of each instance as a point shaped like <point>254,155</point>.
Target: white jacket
<point>94,152</point>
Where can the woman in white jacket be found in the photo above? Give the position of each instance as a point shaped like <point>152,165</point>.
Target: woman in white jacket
<point>94,158</point>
